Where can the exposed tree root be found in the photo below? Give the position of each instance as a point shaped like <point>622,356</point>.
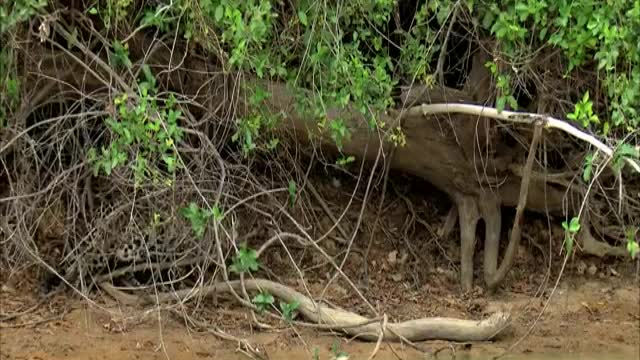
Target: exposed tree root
<point>469,216</point>
<point>595,247</point>
<point>435,328</point>
<point>429,128</point>
<point>491,214</point>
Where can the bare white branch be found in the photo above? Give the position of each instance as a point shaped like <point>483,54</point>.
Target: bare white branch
<point>517,117</point>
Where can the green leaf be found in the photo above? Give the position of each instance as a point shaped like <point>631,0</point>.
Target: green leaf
<point>542,34</point>
<point>13,88</point>
<point>93,11</point>
<point>219,13</point>
<point>170,161</point>
<point>344,161</point>
<point>292,192</point>
<point>628,150</point>
<point>245,260</point>
<point>442,14</point>
<point>633,248</point>
<point>571,228</point>
<point>148,75</point>
<point>632,245</point>
<point>288,309</point>
<point>191,211</point>
<point>197,217</point>
<point>622,152</point>
<point>107,168</point>
<point>488,20</point>
<point>574,225</point>
<point>273,143</point>
<point>263,300</point>
<point>259,95</point>
<point>588,167</point>
<point>217,213</point>
<point>303,18</point>
<point>568,244</point>
<point>500,103</point>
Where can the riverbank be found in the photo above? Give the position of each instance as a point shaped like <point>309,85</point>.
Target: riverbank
<point>588,317</point>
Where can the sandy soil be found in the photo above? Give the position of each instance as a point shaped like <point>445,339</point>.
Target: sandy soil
<point>588,317</point>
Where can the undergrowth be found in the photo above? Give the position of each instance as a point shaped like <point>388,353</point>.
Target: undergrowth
<point>136,156</point>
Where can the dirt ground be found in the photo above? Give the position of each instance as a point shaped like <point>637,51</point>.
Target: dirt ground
<point>412,273</point>
<point>587,315</point>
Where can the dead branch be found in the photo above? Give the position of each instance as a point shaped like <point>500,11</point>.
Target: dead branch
<point>518,117</point>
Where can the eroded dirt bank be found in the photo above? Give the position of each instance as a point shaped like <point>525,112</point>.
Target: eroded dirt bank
<point>586,317</point>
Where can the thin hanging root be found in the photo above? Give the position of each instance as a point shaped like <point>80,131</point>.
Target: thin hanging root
<point>449,223</point>
<point>516,231</point>
<point>436,328</point>
<point>490,212</point>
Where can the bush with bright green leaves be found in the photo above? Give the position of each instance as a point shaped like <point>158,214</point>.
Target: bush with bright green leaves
<point>145,134</point>
<point>339,50</point>
<point>341,53</point>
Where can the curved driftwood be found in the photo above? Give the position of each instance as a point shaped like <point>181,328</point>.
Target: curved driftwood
<point>433,328</point>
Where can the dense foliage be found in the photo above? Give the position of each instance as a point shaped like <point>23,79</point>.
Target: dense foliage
<point>359,51</point>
